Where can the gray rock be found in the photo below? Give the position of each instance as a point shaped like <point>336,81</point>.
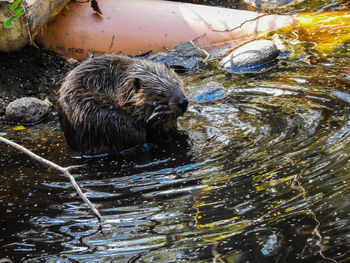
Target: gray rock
<point>26,110</point>
<point>256,56</point>
<point>185,55</point>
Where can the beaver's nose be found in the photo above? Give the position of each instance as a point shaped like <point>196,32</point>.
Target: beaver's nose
<point>183,103</point>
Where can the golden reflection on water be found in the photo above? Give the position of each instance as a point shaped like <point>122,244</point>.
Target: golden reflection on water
<point>327,29</point>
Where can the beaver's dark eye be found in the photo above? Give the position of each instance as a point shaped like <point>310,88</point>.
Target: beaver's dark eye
<point>136,84</point>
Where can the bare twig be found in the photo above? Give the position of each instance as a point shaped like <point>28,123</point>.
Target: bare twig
<point>27,24</point>
<point>203,35</point>
<point>146,53</point>
<point>242,24</point>
<point>64,170</point>
<point>298,186</point>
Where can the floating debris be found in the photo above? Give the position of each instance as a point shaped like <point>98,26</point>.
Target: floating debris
<point>184,56</point>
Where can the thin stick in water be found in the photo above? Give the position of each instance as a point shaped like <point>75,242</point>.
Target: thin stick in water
<point>64,170</point>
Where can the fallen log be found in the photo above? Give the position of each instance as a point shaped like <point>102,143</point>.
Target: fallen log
<point>35,14</point>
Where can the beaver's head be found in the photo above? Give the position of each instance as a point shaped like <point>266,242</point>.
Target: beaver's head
<point>158,99</point>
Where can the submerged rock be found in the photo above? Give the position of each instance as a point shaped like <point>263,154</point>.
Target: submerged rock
<point>185,55</point>
<point>256,56</point>
<point>26,110</point>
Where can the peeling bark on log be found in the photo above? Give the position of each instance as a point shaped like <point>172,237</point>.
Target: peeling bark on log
<point>37,14</point>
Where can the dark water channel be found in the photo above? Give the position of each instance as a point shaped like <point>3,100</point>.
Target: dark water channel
<point>265,177</point>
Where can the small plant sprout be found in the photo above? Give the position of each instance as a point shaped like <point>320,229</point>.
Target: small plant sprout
<point>18,10</point>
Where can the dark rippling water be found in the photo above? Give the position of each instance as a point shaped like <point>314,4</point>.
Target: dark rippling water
<point>264,178</point>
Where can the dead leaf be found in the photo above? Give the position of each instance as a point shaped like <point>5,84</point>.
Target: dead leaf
<point>19,128</point>
<point>95,7</point>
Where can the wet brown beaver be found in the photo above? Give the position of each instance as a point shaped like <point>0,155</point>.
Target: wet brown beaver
<point>111,103</point>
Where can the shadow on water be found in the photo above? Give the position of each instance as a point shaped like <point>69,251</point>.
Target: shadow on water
<point>264,178</point>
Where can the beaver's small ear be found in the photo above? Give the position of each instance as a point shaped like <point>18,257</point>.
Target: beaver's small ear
<point>136,84</point>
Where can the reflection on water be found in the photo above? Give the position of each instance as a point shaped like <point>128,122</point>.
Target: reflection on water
<point>264,178</point>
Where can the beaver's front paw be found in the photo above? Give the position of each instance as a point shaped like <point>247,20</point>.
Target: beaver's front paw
<point>159,115</point>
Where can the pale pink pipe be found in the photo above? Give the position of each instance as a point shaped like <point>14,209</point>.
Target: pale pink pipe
<point>131,27</point>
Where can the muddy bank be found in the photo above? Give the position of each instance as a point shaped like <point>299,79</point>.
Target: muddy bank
<point>30,72</point>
